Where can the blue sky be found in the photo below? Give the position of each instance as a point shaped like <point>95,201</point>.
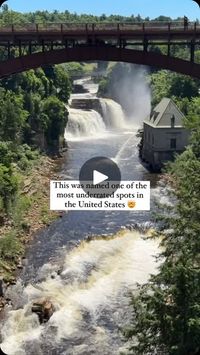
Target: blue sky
<point>172,8</point>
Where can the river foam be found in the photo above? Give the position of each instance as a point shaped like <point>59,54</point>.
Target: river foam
<point>93,286</point>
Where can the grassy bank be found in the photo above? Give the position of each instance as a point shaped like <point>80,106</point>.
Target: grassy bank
<point>29,213</point>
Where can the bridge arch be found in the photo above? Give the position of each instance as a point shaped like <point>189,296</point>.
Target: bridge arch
<point>107,53</point>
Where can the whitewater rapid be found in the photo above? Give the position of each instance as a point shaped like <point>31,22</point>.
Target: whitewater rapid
<point>96,276</point>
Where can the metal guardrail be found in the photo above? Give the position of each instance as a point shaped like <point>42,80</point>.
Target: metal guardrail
<point>135,26</point>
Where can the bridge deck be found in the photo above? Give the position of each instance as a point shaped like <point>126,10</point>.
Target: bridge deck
<point>134,31</point>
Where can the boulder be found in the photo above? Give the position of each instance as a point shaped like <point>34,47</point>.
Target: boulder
<point>44,309</point>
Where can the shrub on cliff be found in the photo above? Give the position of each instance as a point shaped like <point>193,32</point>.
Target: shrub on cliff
<point>8,187</point>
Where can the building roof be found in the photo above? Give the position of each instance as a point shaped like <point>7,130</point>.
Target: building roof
<point>163,114</point>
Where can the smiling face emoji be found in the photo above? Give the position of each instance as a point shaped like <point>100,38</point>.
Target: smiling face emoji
<point>131,204</point>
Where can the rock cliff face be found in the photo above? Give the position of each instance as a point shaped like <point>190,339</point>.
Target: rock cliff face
<point>87,104</point>
<point>78,89</point>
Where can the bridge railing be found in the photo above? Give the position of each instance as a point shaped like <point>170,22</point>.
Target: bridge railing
<point>148,26</point>
<point>84,27</point>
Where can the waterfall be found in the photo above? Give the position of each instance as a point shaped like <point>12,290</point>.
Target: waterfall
<point>84,123</point>
<point>89,123</point>
<point>113,114</point>
<point>97,115</point>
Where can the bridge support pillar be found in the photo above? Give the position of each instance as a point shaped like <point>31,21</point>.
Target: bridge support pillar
<point>145,45</point>
<point>66,43</point>
<point>20,48</point>
<point>8,49</point>
<point>43,46</point>
<point>30,47</point>
<point>123,43</point>
<point>192,49</point>
<point>168,49</point>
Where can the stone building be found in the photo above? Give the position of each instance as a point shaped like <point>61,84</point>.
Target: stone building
<point>164,134</point>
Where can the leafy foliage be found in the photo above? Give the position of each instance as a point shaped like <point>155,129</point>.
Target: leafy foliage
<point>8,186</point>
<point>10,247</point>
<point>30,103</point>
<point>167,84</point>
<point>9,16</point>
<point>56,114</point>
<point>166,311</point>
<point>12,116</point>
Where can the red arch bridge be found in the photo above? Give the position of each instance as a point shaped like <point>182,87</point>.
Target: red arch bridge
<point>33,45</point>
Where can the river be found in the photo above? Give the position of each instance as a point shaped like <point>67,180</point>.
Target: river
<point>100,255</point>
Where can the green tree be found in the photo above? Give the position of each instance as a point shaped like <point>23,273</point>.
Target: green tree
<point>12,115</point>
<point>103,87</point>
<point>23,118</point>
<point>160,83</point>
<point>74,68</point>
<point>183,104</point>
<point>166,311</point>
<point>168,84</point>
<point>62,84</point>
<point>6,153</point>
<point>193,123</point>
<point>183,86</point>
<point>55,118</point>
<point>8,186</point>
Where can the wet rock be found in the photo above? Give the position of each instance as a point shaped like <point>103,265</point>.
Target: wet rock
<point>64,149</point>
<point>2,303</point>
<point>20,266</point>
<point>53,275</point>
<point>8,301</point>
<point>26,226</point>
<point>12,281</point>
<point>7,268</point>
<point>89,238</point>
<point>1,287</point>
<point>1,220</point>
<point>9,223</point>
<point>24,261</point>
<point>44,309</point>
<point>82,349</point>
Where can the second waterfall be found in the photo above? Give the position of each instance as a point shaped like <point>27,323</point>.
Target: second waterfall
<point>92,116</point>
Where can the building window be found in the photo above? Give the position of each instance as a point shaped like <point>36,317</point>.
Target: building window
<point>173,143</point>
<point>155,116</point>
<point>172,121</point>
